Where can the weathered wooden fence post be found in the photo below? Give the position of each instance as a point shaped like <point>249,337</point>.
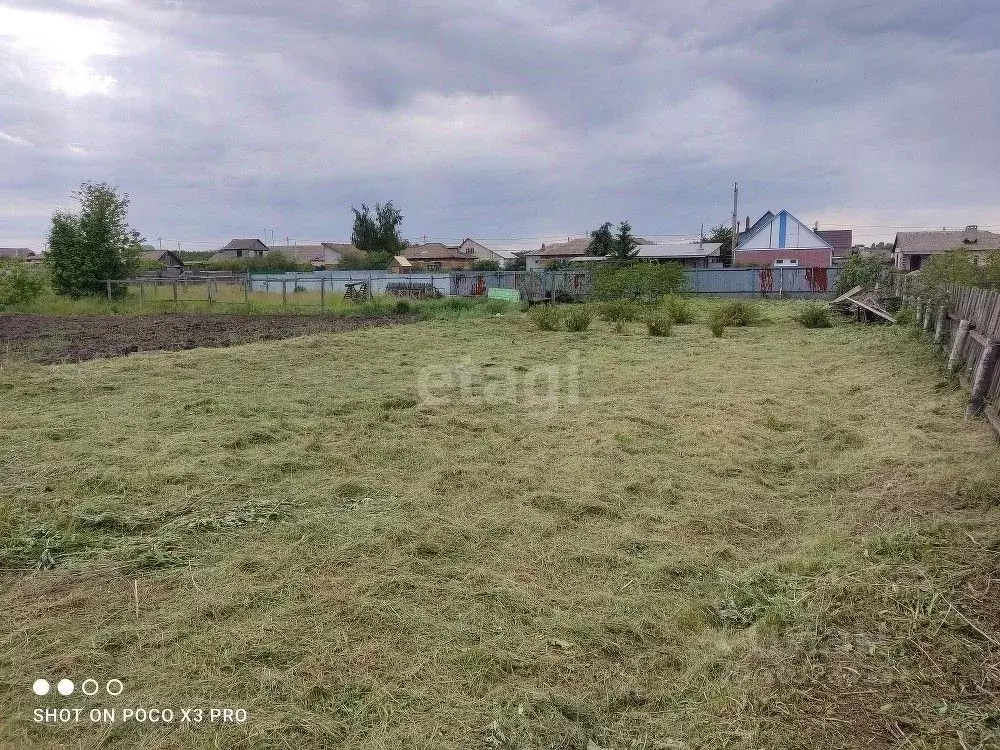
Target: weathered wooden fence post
<point>108,282</point>
<point>284,291</point>
<point>942,316</point>
<point>981,380</point>
<point>322,293</point>
<point>174,285</point>
<point>958,345</point>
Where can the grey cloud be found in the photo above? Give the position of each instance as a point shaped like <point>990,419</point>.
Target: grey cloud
<point>512,119</point>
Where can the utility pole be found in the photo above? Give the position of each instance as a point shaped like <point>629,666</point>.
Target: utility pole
<point>701,237</point>
<point>736,223</point>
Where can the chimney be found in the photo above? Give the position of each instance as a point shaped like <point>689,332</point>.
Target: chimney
<point>748,225</point>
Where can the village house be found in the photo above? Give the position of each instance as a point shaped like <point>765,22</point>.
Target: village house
<point>436,256</point>
<point>782,241</point>
<point>547,255</point>
<point>324,255</point>
<point>690,255</point>
<point>19,253</point>
<point>169,262</point>
<point>470,247</point>
<point>238,249</point>
<point>911,249</point>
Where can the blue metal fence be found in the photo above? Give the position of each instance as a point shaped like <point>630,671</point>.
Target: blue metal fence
<point>731,282</point>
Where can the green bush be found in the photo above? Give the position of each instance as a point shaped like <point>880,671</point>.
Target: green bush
<point>20,285</point>
<point>402,306</point>
<point>740,312</point>
<point>659,324</point>
<point>858,271</point>
<point>717,323</point>
<point>578,319</point>
<point>814,316</point>
<point>906,316</point>
<point>373,306</point>
<point>458,304</point>
<point>637,280</point>
<point>679,309</point>
<point>546,317</point>
<point>619,310</point>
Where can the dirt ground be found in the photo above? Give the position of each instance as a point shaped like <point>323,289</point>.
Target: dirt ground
<point>49,339</point>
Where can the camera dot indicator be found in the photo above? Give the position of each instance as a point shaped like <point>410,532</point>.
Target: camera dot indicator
<point>65,687</point>
<point>114,687</point>
<point>90,687</point>
<point>40,687</point>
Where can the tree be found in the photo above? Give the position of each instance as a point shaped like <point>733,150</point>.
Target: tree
<point>602,241</point>
<point>87,249</point>
<point>724,236</point>
<point>859,271</point>
<point>625,244</point>
<point>485,265</point>
<point>378,234</point>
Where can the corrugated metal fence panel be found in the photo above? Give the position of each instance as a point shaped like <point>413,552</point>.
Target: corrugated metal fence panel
<point>795,282</point>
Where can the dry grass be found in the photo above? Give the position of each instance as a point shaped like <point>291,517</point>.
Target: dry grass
<point>780,538</point>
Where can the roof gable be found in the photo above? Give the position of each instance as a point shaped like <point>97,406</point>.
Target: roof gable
<point>784,232</point>
<point>245,244</point>
<point>925,243</point>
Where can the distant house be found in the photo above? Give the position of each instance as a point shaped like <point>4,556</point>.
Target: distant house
<point>323,255</point>
<point>569,251</point>
<point>436,256</point>
<point>911,249</point>
<point>692,255</point>
<point>841,240</point>
<point>171,262</point>
<point>781,240</point>
<point>238,249</point>
<point>400,264</point>
<point>469,246</point>
<point>538,260</point>
<point>18,253</point>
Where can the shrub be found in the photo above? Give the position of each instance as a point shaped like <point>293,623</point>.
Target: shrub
<point>906,316</point>
<point>740,312</point>
<point>578,319</point>
<point>858,271</point>
<point>659,324</point>
<point>637,280</point>
<point>457,303</point>
<point>546,317</point>
<point>402,306</point>
<point>496,306</point>
<point>717,323</point>
<point>814,316</point>
<point>373,306</point>
<point>485,265</point>
<point>679,309</point>
<point>620,327</point>
<point>19,285</point>
<point>619,310</point>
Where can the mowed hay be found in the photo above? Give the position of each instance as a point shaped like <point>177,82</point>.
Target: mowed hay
<point>772,539</point>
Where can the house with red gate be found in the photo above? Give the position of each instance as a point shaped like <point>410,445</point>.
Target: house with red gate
<point>782,241</point>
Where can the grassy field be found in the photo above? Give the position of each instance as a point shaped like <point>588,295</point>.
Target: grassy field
<point>470,533</point>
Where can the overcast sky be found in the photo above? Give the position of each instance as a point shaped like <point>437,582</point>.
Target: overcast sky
<point>507,121</point>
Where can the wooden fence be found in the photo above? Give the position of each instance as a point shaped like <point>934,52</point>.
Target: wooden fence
<point>965,324</point>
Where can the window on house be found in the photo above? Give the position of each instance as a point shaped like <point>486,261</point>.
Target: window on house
<point>239,253</point>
